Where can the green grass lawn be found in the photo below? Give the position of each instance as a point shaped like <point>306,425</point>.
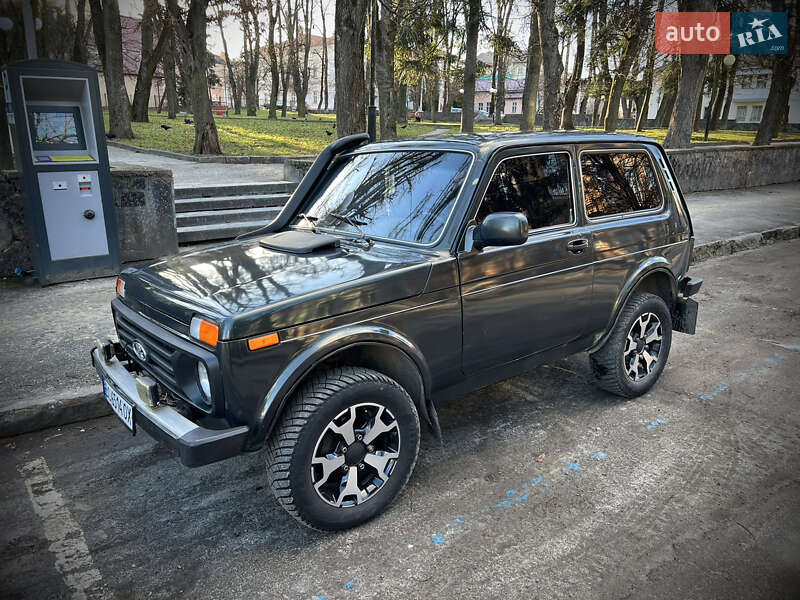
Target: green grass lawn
<point>257,136</point>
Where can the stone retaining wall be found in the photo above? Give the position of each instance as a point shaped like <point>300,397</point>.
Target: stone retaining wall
<point>729,167</point>
<point>145,208</point>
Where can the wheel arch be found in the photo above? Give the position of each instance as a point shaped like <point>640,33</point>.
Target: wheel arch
<point>372,347</point>
<point>654,276</point>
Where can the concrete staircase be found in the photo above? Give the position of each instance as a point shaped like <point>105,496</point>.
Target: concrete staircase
<point>222,212</point>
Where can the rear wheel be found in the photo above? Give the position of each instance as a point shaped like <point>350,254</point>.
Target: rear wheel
<point>633,357</point>
<point>344,449</point>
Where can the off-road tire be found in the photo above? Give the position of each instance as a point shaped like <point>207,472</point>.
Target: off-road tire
<point>292,445</point>
<point>607,363</point>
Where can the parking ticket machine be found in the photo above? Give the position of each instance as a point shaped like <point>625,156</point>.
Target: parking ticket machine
<point>56,124</point>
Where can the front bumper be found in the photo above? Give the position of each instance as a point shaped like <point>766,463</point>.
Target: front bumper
<point>196,445</point>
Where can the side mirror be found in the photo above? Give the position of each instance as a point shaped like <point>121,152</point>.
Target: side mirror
<point>501,229</point>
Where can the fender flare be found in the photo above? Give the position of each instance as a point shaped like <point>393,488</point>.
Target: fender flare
<point>325,347</point>
<point>646,268</point>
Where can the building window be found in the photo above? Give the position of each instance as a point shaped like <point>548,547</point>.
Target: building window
<point>755,113</point>
<point>538,186</point>
<point>513,107</point>
<point>618,182</point>
<point>480,105</point>
<point>741,114</point>
<point>762,81</point>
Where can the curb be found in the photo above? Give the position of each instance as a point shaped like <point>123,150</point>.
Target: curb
<point>71,406</point>
<point>749,241</point>
<point>88,403</point>
<point>214,158</point>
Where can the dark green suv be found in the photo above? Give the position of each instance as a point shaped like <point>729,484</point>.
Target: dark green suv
<point>400,275</point>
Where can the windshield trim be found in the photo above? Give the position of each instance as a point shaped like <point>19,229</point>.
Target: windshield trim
<point>438,240</point>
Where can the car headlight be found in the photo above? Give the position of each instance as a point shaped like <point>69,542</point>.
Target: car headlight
<point>202,378</point>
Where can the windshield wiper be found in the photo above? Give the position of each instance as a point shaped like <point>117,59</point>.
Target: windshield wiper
<point>310,221</point>
<point>353,223</point>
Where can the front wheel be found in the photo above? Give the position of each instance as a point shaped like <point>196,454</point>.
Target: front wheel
<point>344,449</point>
<point>633,357</point>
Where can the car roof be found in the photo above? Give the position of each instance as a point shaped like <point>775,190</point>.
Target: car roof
<point>485,144</point>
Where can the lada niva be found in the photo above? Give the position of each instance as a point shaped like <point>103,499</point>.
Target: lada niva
<point>400,275</point>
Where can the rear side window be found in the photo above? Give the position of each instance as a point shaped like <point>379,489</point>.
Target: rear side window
<point>618,182</point>
<point>538,186</point>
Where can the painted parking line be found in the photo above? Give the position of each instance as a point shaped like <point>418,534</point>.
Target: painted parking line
<point>67,542</point>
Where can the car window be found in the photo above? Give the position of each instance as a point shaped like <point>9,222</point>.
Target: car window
<point>406,195</point>
<point>538,186</point>
<point>618,182</point>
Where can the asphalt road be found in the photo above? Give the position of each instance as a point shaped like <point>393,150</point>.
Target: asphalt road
<point>543,487</point>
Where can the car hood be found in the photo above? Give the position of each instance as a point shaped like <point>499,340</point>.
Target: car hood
<point>251,289</point>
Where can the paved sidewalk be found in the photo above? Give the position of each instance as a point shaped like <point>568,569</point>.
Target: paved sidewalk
<point>188,173</point>
<point>46,333</point>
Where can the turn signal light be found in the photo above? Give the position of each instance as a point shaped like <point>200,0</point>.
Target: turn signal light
<point>120,287</point>
<point>205,331</point>
<point>263,341</point>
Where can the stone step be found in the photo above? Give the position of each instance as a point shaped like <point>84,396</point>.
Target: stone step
<point>235,189</point>
<point>220,217</point>
<point>224,231</point>
<point>227,202</point>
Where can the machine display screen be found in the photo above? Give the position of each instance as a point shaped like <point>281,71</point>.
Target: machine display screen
<point>56,128</point>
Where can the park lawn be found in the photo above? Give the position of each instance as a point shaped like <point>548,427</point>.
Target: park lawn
<point>290,136</point>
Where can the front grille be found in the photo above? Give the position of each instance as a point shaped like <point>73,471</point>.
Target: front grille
<point>161,355</point>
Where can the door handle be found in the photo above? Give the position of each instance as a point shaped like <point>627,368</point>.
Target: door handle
<point>578,246</point>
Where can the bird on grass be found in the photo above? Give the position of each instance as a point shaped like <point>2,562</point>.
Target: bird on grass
<point>403,126</point>
<point>294,118</point>
<point>329,132</point>
<point>110,136</point>
<point>188,121</point>
<point>165,127</point>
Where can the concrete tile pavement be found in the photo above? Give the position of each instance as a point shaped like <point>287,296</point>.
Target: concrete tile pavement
<point>45,333</point>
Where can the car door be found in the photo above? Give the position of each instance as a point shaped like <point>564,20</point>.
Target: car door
<point>626,215</point>
<point>521,300</point>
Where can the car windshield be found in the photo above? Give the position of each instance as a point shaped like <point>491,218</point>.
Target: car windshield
<point>405,195</point>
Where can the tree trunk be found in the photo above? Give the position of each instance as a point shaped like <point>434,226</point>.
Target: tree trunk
<point>473,23</point>
<point>384,72</point>
<point>251,54</point>
<point>532,71</point>
<point>170,87</point>
<point>500,98</point>
<point>237,99</point>
<point>149,60</point>
<point>323,91</point>
<point>105,17</point>
<point>400,103</point>
<point>575,80</point>
<point>641,121</point>
<point>274,12</point>
<point>698,113</point>
<point>349,66</point>
<point>79,46</point>
<point>690,88</point>
<point>726,109</point>
<point>551,60</point>
<point>719,97</point>
<point>781,86</point>
<point>665,109</point>
<point>141,94</point>
<point>194,56</point>
<point>630,50</point>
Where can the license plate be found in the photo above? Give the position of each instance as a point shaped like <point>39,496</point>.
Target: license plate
<point>122,407</point>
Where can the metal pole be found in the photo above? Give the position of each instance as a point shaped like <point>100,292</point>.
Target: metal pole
<point>30,29</point>
<point>371,112</point>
